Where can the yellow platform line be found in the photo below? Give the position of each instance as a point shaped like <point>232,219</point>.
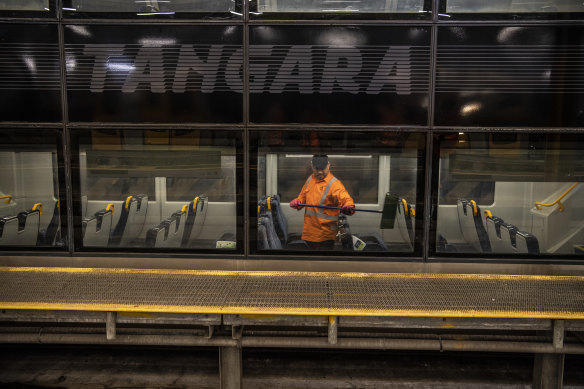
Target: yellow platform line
<point>292,274</point>
<point>245,310</point>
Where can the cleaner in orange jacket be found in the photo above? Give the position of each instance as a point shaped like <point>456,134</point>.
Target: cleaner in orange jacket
<point>322,188</point>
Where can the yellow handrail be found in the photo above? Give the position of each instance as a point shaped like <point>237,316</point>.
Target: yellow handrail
<point>7,199</point>
<point>539,204</point>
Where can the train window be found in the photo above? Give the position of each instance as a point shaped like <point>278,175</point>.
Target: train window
<point>510,193</point>
<point>30,193</point>
<point>510,9</point>
<point>158,189</point>
<point>151,8</point>
<point>28,8</point>
<point>260,8</point>
<point>514,6</point>
<point>24,5</point>
<point>378,174</point>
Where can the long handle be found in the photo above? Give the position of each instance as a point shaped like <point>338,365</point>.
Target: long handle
<point>329,207</point>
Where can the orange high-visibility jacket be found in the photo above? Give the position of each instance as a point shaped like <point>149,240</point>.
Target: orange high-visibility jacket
<point>321,224</point>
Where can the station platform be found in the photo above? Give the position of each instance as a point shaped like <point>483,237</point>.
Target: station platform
<point>292,293</point>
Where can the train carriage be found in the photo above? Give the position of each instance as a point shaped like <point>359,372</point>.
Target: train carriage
<point>174,134</point>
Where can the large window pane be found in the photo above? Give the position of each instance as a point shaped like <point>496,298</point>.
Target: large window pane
<point>377,172</point>
<point>340,6</point>
<point>510,193</point>
<point>24,5</point>
<point>158,189</point>
<point>30,206</point>
<point>150,7</point>
<point>512,6</point>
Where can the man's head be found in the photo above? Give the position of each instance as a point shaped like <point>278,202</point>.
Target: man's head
<point>320,166</point>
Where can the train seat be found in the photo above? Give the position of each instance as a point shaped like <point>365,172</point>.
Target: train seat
<point>505,238</point>
<point>526,243</point>
<point>280,221</point>
<point>269,208</point>
<point>22,229</point>
<point>373,241</point>
<point>508,235</point>
<point>263,243</point>
<point>49,236</point>
<point>196,215</point>
<point>131,222</point>
<point>169,232</point>
<point>493,227</point>
<point>471,225</point>
<point>271,235</point>
<point>97,228</point>
<point>274,206</point>
<point>405,221</point>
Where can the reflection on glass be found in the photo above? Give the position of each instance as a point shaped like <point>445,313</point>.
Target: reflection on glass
<point>374,174</point>
<point>150,7</point>
<point>158,189</point>
<point>24,5</point>
<point>509,193</point>
<point>511,6</point>
<point>29,191</point>
<point>327,6</point>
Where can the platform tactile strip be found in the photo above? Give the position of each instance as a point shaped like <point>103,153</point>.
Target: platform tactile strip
<point>292,293</point>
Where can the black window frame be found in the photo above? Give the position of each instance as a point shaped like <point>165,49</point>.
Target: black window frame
<point>443,15</point>
<point>415,255</point>
<point>57,134</point>
<point>254,15</point>
<point>68,14</point>
<point>77,133</point>
<point>50,14</point>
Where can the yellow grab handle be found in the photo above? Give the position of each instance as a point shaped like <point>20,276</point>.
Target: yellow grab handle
<point>539,204</point>
<point>38,206</point>
<point>7,199</point>
<point>127,206</point>
<point>487,214</point>
<point>269,203</point>
<point>195,201</point>
<point>184,208</point>
<point>110,207</point>
<point>474,207</point>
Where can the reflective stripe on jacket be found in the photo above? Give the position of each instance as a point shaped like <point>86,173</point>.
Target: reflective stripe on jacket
<point>321,224</point>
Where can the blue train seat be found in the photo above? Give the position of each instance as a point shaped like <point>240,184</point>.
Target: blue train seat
<point>271,205</point>
<point>96,229</point>
<point>22,229</point>
<point>196,215</point>
<point>405,218</point>
<point>50,235</point>
<point>131,222</point>
<point>263,243</point>
<point>493,227</point>
<point>505,238</point>
<point>471,225</point>
<point>271,235</point>
<point>508,235</point>
<point>169,232</point>
<point>526,243</point>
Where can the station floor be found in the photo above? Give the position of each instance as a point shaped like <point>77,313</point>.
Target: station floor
<point>45,366</point>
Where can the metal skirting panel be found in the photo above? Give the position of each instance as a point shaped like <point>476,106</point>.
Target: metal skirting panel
<point>346,294</point>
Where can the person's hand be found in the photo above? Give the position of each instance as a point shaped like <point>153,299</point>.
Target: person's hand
<point>348,209</point>
<point>295,204</point>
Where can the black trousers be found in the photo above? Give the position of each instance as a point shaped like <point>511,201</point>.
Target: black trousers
<point>324,245</point>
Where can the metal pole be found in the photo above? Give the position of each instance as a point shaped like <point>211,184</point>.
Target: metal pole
<point>298,342</point>
<point>230,370</point>
<point>548,371</point>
